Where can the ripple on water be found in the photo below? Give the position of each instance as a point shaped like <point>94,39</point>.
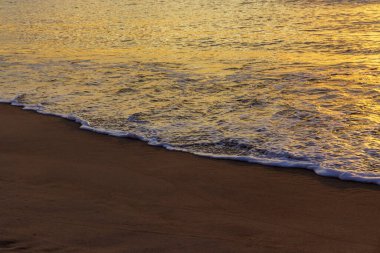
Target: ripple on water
<point>288,83</point>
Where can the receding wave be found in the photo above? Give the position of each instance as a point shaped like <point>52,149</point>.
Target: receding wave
<point>224,149</point>
<point>285,83</point>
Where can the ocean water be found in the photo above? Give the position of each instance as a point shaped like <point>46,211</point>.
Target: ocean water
<point>284,82</point>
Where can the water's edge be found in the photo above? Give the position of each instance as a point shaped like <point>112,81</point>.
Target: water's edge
<point>342,175</point>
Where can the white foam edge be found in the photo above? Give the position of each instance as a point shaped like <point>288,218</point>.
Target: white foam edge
<point>342,175</point>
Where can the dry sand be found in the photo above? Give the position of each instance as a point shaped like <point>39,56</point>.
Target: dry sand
<point>63,189</point>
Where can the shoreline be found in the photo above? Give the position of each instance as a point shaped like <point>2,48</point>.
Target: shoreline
<point>366,178</point>
<point>66,189</point>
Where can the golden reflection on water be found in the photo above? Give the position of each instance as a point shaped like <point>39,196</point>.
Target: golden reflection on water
<point>314,63</point>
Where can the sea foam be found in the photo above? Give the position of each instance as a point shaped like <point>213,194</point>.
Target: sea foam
<point>342,175</point>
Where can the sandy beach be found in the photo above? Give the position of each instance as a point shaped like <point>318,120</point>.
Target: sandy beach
<point>64,189</point>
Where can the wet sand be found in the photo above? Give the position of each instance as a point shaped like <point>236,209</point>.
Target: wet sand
<point>63,189</point>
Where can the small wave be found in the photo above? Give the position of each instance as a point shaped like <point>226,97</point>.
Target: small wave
<point>276,160</point>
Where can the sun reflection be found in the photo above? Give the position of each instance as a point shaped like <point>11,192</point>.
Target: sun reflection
<point>288,75</point>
